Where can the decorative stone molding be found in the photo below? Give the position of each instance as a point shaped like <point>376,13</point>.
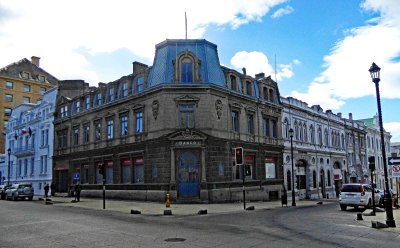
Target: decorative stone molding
<point>187,99</point>
<point>155,106</point>
<point>218,108</point>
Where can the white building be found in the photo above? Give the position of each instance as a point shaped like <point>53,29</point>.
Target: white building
<point>374,148</point>
<point>30,134</point>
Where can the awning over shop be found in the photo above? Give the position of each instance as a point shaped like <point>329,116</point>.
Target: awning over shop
<point>62,167</point>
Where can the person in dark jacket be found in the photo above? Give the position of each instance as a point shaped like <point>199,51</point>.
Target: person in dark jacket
<point>77,190</point>
<point>53,189</point>
<point>46,190</point>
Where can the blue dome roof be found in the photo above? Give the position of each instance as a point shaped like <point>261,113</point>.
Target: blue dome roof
<point>167,53</point>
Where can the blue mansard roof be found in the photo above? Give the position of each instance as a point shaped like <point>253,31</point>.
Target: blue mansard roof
<point>167,52</point>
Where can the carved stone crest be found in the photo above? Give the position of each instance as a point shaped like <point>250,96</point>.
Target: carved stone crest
<point>155,107</point>
<point>218,107</point>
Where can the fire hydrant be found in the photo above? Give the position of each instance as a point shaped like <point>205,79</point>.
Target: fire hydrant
<point>167,201</point>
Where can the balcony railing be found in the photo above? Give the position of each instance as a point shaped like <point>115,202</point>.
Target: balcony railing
<point>24,151</point>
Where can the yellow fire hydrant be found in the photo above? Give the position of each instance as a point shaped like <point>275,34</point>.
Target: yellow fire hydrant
<point>167,201</point>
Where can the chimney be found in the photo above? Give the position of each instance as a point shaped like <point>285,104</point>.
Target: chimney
<point>339,114</point>
<point>244,70</point>
<point>35,60</point>
<point>260,76</point>
<point>350,116</point>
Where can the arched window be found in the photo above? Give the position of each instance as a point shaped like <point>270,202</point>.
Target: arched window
<point>320,136</point>
<point>187,71</point>
<point>186,67</point>
<point>249,90</point>
<point>333,138</point>
<point>300,132</point>
<point>286,128</point>
<point>265,93</point>
<point>305,132</point>
<point>343,141</point>
<point>314,179</point>
<point>271,95</point>
<point>312,135</point>
<point>329,178</point>
<point>326,137</point>
<point>296,130</point>
<point>289,180</point>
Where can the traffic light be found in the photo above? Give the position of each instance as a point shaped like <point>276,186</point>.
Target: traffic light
<point>371,163</point>
<point>101,169</point>
<point>239,155</point>
<point>247,170</point>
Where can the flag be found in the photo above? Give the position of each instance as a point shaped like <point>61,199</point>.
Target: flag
<point>23,131</point>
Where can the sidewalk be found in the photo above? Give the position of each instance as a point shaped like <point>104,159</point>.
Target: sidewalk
<point>157,208</point>
<point>381,217</point>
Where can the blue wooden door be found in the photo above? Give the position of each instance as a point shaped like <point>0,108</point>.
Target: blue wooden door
<point>188,174</point>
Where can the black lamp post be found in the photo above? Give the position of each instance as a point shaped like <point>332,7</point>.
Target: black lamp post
<point>8,172</point>
<point>375,75</point>
<point>291,151</point>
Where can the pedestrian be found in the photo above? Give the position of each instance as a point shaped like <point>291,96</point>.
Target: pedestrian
<point>77,190</point>
<point>46,190</point>
<point>53,188</point>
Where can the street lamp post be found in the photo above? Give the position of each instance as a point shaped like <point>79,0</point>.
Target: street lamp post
<point>291,151</point>
<point>9,162</point>
<point>375,75</point>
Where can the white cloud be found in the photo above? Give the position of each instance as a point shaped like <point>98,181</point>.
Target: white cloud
<point>345,74</point>
<point>394,129</point>
<point>282,11</point>
<point>57,31</point>
<point>256,62</point>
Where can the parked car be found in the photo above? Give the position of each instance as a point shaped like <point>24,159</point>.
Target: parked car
<point>3,191</point>
<point>20,191</point>
<point>381,192</point>
<point>355,195</point>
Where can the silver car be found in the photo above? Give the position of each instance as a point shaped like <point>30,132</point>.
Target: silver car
<point>20,191</point>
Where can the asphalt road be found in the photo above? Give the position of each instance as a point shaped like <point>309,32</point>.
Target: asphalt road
<point>33,224</point>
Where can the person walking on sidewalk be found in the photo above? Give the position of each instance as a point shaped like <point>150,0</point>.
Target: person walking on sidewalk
<point>46,190</point>
<point>77,190</point>
<point>53,189</point>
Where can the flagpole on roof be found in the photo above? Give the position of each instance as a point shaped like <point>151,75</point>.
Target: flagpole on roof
<point>185,26</point>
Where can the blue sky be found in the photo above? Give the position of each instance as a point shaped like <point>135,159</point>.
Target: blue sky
<point>322,48</point>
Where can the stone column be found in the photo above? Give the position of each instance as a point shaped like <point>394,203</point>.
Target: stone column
<point>173,180</point>
<point>203,165</point>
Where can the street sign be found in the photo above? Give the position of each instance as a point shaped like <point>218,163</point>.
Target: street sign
<point>77,175</point>
<point>394,160</point>
<point>396,170</point>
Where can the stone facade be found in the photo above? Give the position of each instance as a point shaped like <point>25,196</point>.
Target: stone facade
<point>172,127</point>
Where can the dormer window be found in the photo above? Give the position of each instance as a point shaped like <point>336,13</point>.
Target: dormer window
<point>87,102</point>
<point>42,78</point>
<point>64,111</point>
<point>125,89</point>
<point>186,71</point>
<point>98,98</point>
<point>111,95</point>
<point>233,83</point>
<point>139,84</point>
<point>271,95</point>
<point>25,75</point>
<point>248,88</point>
<point>186,67</point>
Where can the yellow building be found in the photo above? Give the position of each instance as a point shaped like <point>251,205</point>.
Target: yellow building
<point>21,82</point>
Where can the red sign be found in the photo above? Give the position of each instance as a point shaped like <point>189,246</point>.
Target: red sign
<point>126,161</point>
<point>249,158</point>
<point>269,160</point>
<point>138,160</point>
<point>108,163</point>
<point>99,163</point>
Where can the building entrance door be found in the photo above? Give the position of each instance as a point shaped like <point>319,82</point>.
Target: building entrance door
<point>188,174</point>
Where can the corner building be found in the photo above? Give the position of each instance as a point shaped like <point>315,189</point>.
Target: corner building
<point>172,128</point>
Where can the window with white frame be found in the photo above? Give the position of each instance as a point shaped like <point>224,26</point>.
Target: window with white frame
<point>139,84</point>
<point>32,165</point>
<point>110,129</point>
<point>235,120</point>
<point>97,131</point>
<point>110,94</point>
<point>27,88</point>
<point>9,98</point>
<point>139,122</point>
<point>76,135</point>
<point>64,111</point>
<point>9,85</point>
<point>86,132</point>
<point>125,89</point>
<point>250,123</point>
<point>87,102</point>
<point>124,125</point>
<point>98,98</point>
<point>43,164</point>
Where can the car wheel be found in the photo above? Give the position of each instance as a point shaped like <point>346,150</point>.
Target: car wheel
<point>343,207</point>
<point>30,198</point>
<point>14,198</point>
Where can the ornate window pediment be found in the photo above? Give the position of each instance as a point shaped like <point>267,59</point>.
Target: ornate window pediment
<point>138,106</point>
<point>187,99</point>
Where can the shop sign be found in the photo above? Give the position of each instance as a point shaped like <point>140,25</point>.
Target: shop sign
<point>187,143</point>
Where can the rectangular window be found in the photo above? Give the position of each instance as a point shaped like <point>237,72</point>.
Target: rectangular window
<point>98,99</point>
<point>32,166</point>
<point>9,85</point>
<point>76,136</point>
<point>139,84</point>
<point>186,112</point>
<point>26,99</point>
<point>62,138</point>
<point>43,164</point>
<point>187,73</point>
<point>273,129</point>
<point>77,107</point>
<point>19,167</point>
<point>25,167</point>
<point>266,126</point>
<point>250,123</point>
<point>25,75</point>
<point>125,89</point>
<point>64,111</point>
<point>27,88</point>
<point>86,134</point>
<point>9,98</point>
<point>139,122</point>
<point>235,121</point>
<point>126,169</point>
<point>111,95</point>
<point>7,111</point>
<point>44,137</point>
<point>110,129</point>
<point>124,125</point>
<point>42,78</point>
<point>87,102</point>
<point>97,131</point>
